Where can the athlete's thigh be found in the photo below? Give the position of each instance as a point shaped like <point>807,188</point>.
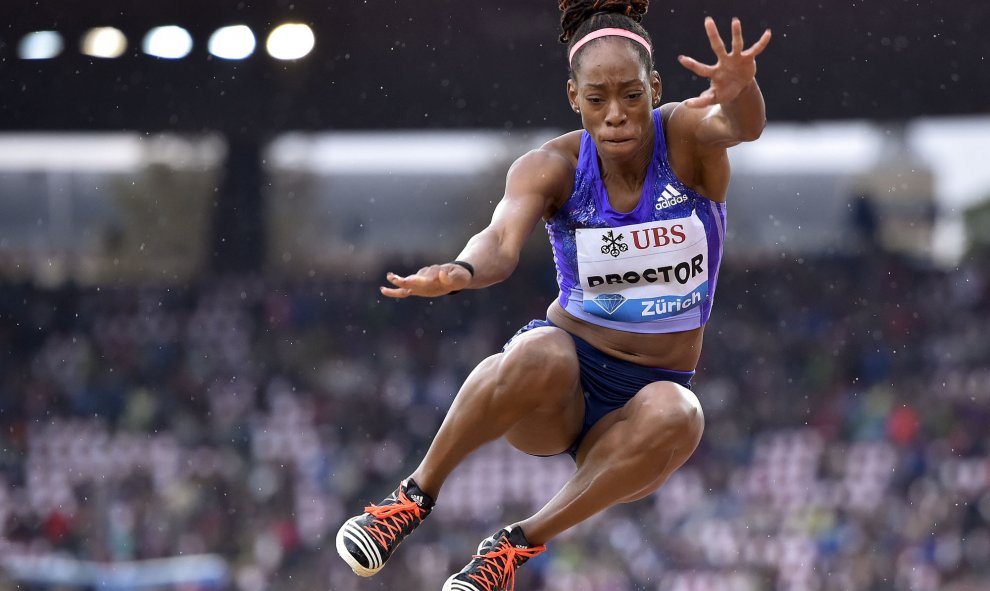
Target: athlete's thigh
<point>663,418</point>
<point>543,363</point>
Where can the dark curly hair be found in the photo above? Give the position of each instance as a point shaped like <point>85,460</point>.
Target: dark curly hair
<point>581,17</point>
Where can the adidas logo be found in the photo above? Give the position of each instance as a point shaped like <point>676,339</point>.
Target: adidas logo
<point>669,198</point>
<point>418,499</point>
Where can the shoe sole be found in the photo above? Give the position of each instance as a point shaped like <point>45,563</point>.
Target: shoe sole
<point>351,531</point>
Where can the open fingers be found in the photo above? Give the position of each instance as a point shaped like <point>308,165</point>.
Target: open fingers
<point>401,289</point>
<point>695,66</point>
<point>718,46</point>
<point>737,38</point>
<point>427,282</point>
<point>759,46</point>
<point>394,292</point>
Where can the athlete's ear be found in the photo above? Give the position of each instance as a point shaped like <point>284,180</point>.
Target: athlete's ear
<point>572,95</point>
<point>656,86</point>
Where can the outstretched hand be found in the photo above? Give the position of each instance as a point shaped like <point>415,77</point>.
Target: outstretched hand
<point>732,72</point>
<point>432,281</point>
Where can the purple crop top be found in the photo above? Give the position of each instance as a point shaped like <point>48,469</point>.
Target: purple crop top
<point>650,270</point>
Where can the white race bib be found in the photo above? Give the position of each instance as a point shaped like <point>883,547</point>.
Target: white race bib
<point>645,271</point>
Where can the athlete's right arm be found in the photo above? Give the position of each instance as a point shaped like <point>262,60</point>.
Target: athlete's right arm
<point>535,185</point>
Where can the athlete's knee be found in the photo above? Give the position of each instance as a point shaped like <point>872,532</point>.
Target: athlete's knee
<point>670,414</point>
<point>540,361</point>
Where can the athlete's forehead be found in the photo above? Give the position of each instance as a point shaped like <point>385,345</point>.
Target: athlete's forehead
<point>599,85</point>
<point>614,61</point>
<point>611,50</point>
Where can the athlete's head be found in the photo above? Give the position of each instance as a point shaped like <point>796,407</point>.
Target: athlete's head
<point>612,85</point>
<point>580,18</point>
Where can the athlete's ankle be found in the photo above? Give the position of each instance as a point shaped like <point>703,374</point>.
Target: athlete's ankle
<point>533,534</point>
<point>425,484</point>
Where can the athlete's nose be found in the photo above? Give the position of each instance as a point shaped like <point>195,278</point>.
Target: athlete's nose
<point>615,115</point>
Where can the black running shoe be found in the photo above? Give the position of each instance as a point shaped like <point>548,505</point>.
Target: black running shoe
<point>494,566</point>
<point>367,540</point>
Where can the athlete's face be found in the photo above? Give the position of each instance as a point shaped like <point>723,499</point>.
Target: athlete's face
<point>615,95</point>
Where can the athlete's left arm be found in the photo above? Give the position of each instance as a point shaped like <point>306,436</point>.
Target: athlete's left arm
<point>731,109</point>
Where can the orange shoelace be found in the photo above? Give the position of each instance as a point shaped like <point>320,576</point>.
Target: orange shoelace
<point>392,518</point>
<point>492,571</point>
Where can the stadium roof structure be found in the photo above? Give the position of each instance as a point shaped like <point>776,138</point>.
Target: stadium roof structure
<point>379,64</point>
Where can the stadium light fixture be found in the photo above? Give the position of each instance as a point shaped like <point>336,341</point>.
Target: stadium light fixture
<point>168,42</point>
<point>290,41</point>
<point>235,42</point>
<point>40,45</point>
<point>105,42</point>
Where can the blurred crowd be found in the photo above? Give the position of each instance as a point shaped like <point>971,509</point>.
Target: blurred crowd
<point>847,403</point>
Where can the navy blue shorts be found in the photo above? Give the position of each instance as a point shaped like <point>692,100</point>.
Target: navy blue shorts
<point>608,383</point>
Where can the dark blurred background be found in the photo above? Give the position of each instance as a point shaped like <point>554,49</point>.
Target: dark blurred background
<point>199,381</point>
<point>383,64</point>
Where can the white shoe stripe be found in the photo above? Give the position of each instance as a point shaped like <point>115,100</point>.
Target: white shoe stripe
<point>453,584</point>
<point>358,568</point>
<point>356,534</point>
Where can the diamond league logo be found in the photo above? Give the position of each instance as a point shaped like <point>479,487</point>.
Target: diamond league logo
<point>610,302</point>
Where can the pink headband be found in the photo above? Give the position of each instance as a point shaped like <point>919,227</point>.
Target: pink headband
<point>608,33</point>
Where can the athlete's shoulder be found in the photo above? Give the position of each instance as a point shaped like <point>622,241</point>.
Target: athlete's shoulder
<point>558,156</point>
<point>678,119</point>
<point>547,170</point>
<point>567,145</point>
<point>666,109</point>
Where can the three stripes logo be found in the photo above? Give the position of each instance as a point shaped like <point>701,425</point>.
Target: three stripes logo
<point>357,535</point>
<point>669,198</point>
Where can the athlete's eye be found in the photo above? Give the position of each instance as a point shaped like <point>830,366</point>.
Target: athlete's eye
<point>634,96</point>
<point>594,100</point>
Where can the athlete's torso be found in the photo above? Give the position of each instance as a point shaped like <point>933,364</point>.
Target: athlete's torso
<point>638,284</point>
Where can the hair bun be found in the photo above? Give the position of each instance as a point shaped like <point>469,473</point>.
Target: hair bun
<point>576,12</point>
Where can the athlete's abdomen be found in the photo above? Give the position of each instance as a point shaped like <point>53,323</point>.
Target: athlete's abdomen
<point>679,351</point>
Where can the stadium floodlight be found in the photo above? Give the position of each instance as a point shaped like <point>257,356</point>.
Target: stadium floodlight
<point>40,45</point>
<point>168,42</point>
<point>290,41</point>
<point>106,42</point>
<point>235,42</point>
